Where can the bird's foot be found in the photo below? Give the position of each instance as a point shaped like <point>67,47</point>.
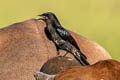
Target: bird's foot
<point>65,54</point>
<point>58,55</point>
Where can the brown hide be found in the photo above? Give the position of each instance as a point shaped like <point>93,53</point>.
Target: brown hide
<point>102,70</point>
<point>56,64</point>
<point>24,48</point>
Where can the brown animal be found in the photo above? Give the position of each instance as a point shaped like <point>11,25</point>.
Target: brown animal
<point>24,48</point>
<point>102,70</point>
<point>56,64</point>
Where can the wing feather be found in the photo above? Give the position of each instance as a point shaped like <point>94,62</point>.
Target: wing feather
<point>64,34</point>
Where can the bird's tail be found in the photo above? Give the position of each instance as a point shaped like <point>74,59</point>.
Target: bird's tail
<point>84,59</point>
<point>81,58</point>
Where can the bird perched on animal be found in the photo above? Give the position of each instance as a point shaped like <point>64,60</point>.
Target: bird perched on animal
<point>62,38</point>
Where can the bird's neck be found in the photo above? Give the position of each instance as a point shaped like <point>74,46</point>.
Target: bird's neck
<point>48,22</point>
<point>56,23</point>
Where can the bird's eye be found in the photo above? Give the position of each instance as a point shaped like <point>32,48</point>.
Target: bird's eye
<point>46,17</point>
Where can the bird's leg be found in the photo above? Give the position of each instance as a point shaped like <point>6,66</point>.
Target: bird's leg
<point>65,54</point>
<point>58,53</point>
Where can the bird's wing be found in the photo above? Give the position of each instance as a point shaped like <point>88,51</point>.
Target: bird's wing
<point>64,34</point>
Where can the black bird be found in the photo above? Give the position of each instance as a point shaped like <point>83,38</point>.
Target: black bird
<point>62,38</point>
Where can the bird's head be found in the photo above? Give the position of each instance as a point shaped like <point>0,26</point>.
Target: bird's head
<point>48,17</point>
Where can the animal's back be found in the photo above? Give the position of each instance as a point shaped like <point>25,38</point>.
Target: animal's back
<point>24,47</point>
<point>102,70</point>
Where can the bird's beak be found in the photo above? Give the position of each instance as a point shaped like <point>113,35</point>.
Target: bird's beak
<point>42,17</point>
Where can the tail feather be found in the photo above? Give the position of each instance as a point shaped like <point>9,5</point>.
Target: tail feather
<point>84,59</point>
<point>81,58</point>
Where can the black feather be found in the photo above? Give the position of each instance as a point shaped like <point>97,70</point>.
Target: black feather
<point>62,38</point>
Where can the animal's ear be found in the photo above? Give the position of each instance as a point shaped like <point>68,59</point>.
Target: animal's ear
<point>43,76</point>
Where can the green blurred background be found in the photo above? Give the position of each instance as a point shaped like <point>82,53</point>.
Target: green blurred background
<point>95,19</point>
